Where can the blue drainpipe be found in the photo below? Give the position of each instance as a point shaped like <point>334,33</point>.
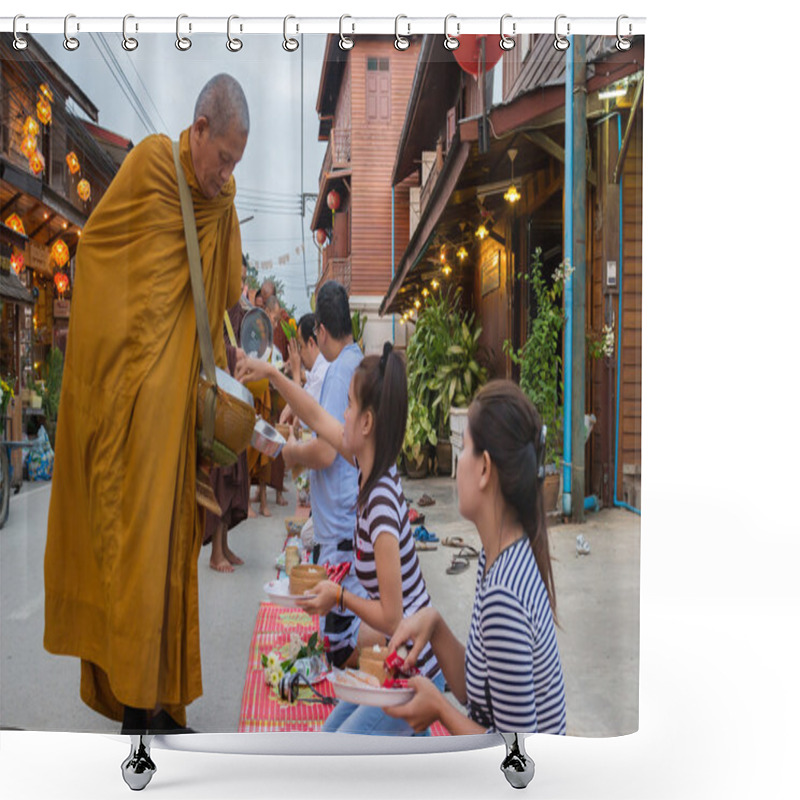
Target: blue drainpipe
<point>619,503</point>
<point>393,316</point>
<point>566,500</point>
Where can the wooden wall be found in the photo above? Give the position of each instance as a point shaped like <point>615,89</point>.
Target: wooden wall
<point>374,148</point>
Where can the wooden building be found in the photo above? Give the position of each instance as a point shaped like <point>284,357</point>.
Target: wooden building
<point>54,168</point>
<point>458,139</point>
<point>362,99</point>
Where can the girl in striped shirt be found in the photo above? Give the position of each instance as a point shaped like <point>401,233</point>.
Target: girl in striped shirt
<point>386,561</point>
<point>509,676</point>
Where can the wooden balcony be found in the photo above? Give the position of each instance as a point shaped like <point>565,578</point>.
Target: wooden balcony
<point>337,269</point>
<point>337,155</point>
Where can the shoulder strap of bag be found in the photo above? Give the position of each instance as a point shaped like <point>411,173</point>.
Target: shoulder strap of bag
<point>200,307</point>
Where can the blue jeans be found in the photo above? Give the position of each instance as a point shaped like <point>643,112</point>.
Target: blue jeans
<point>370,720</point>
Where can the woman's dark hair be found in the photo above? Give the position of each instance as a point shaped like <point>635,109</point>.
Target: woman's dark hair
<point>503,422</point>
<point>306,326</point>
<point>333,310</point>
<point>379,385</point>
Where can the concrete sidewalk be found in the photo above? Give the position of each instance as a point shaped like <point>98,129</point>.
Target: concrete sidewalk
<point>597,595</point>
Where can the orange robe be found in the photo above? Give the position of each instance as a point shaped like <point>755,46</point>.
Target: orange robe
<point>124,531</point>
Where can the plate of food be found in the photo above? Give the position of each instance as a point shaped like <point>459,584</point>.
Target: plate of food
<point>280,595</point>
<point>355,686</point>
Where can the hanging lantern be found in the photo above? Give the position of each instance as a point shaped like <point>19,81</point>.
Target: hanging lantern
<point>17,261</point>
<point>62,283</point>
<point>36,162</point>
<point>73,163</point>
<point>15,223</point>
<point>434,284</point>
<point>44,112</point>
<point>28,146</point>
<point>44,90</point>
<point>482,233</point>
<point>321,236</point>
<point>462,253</point>
<point>447,269</point>
<point>30,127</point>
<point>60,253</point>
<point>84,190</point>
<point>334,200</point>
<point>468,53</point>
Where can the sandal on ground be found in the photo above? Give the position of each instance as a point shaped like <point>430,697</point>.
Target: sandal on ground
<point>415,518</point>
<point>453,541</point>
<point>457,565</point>
<point>422,534</point>
<point>467,551</point>
<point>426,500</point>
<point>425,546</point>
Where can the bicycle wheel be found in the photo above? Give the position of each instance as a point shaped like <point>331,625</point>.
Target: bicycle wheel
<point>5,485</point>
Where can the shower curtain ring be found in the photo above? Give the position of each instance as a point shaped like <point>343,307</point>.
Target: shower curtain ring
<point>234,45</point>
<point>451,42</point>
<point>20,42</point>
<point>506,41</point>
<point>70,42</point>
<point>400,42</point>
<point>183,43</point>
<point>561,42</point>
<point>128,42</point>
<point>622,43</point>
<point>345,42</point>
<point>290,45</point>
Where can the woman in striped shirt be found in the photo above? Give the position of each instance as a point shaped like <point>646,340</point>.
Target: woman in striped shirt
<point>386,560</point>
<point>509,676</point>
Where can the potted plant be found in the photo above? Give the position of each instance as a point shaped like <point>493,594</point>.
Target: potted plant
<point>358,320</point>
<point>420,434</point>
<point>539,364</point>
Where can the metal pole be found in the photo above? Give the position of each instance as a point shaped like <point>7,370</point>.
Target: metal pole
<point>566,500</point>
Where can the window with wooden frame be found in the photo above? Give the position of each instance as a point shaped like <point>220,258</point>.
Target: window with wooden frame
<point>379,91</point>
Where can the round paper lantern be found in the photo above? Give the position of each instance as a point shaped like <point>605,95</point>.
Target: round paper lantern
<point>468,53</point>
<point>61,281</point>
<point>30,127</point>
<point>44,112</point>
<point>17,261</point>
<point>60,253</point>
<point>28,146</point>
<point>73,163</point>
<point>84,190</point>
<point>15,223</point>
<point>36,162</point>
<point>334,200</point>
<point>321,236</point>
<point>44,89</point>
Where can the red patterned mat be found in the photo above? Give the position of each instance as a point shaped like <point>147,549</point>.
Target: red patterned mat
<point>262,710</point>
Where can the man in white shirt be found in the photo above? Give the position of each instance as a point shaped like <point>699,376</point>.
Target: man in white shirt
<point>305,350</point>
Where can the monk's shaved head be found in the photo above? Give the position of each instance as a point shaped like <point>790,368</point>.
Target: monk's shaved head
<point>222,103</point>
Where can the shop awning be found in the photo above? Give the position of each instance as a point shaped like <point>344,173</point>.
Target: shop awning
<point>11,289</point>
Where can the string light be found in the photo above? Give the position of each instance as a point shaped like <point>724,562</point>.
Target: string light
<point>434,284</point>
<point>482,233</point>
<point>462,253</point>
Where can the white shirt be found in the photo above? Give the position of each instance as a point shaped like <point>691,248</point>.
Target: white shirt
<point>316,375</point>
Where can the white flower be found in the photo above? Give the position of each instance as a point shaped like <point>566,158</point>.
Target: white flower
<point>275,676</point>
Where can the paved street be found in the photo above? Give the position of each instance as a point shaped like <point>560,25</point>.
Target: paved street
<point>597,594</point>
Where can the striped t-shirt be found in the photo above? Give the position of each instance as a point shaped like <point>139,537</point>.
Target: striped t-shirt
<point>513,670</point>
<point>385,511</point>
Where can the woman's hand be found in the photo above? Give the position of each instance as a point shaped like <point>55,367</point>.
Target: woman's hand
<point>321,599</point>
<point>249,370</point>
<point>418,628</point>
<point>423,709</point>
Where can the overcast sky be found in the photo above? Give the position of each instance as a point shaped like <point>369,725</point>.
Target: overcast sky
<point>168,81</point>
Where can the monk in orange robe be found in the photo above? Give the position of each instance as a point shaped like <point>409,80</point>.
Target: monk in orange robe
<point>124,530</point>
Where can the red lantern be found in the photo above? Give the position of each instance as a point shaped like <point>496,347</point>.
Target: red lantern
<point>468,53</point>
<point>73,163</point>
<point>36,162</point>
<point>334,201</point>
<point>62,283</point>
<point>44,112</point>
<point>84,190</point>
<point>60,253</point>
<point>321,236</point>
<point>17,261</point>
<point>28,146</point>
<point>30,127</point>
<point>15,223</point>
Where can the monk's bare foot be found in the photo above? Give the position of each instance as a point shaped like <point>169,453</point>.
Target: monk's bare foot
<point>223,565</point>
<point>282,501</point>
<point>231,556</point>
<point>250,513</point>
<point>265,512</point>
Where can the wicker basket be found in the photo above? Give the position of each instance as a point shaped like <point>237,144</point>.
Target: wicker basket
<point>233,424</point>
<point>306,576</point>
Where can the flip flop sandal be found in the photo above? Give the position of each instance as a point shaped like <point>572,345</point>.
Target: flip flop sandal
<point>415,518</point>
<point>467,551</point>
<point>426,500</point>
<point>422,534</point>
<point>453,541</point>
<point>458,565</point>
<point>425,546</point>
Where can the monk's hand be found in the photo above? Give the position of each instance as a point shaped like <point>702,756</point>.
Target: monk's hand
<point>321,599</point>
<point>424,707</point>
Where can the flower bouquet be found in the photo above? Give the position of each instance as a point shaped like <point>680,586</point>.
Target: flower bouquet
<point>296,656</point>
